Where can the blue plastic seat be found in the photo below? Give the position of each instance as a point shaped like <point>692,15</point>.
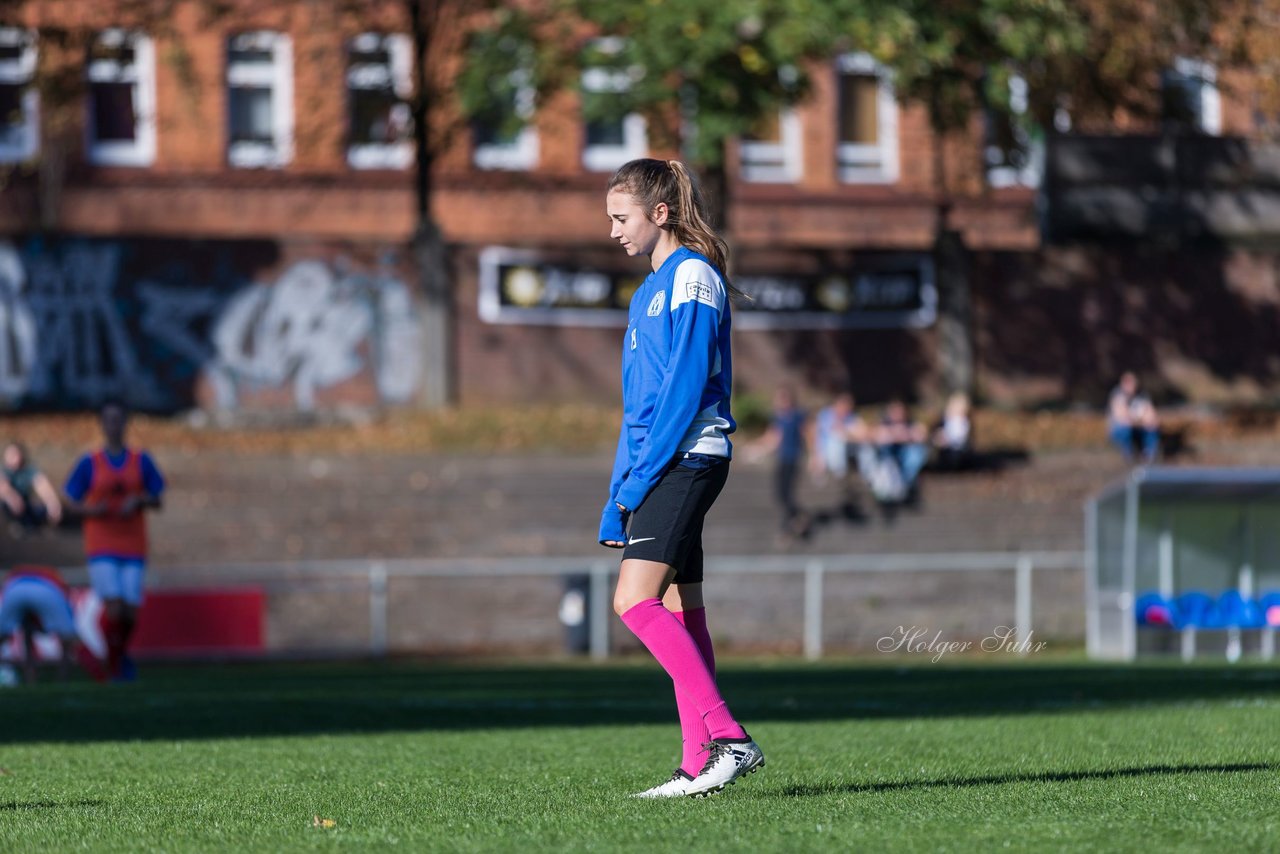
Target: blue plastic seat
<point>1234,610</point>
<point>1154,609</point>
<point>1197,610</point>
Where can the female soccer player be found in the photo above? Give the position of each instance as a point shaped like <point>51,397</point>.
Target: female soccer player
<point>673,456</point>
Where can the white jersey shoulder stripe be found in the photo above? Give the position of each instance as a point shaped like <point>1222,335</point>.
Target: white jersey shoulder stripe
<point>697,281</point>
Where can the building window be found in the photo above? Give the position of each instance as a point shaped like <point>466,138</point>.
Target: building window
<point>1189,97</point>
<point>122,97</point>
<point>868,121</point>
<point>772,150</point>
<point>19,103</point>
<point>501,131</point>
<point>1014,145</point>
<point>259,99</point>
<point>612,137</point>
<point>378,90</point>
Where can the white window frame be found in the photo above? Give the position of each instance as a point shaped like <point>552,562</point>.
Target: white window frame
<point>21,72</point>
<point>142,74</point>
<point>278,76</point>
<point>877,163</point>
<point>386,155</point>
<point>522,153</point>
<point>635,131</point>
<point>779,161</point>
<point>1209,108</point>
<point>1001,175</point>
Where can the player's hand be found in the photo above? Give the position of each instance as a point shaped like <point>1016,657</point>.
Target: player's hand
<point>613,527</point>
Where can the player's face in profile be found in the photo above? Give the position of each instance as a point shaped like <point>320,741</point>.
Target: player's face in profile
<point>631,227</point>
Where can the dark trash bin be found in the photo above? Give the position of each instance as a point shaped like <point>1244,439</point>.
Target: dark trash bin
<point>575,614</point>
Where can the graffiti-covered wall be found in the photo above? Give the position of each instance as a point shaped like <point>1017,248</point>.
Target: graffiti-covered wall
<point>167,324</point>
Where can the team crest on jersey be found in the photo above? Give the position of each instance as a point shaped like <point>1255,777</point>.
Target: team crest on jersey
<point>656,304</point>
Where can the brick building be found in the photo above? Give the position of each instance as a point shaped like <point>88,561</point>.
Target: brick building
<point>221,216</point>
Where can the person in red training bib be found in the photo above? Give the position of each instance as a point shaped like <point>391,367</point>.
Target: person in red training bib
<point>37,599</point>
<point>113,488</point>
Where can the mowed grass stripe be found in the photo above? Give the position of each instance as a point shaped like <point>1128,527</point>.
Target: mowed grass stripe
<point>415,757</point>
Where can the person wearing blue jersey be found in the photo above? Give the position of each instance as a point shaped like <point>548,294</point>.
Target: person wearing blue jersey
<point>37,599</point>
<point>673,456</point>
<point>785,439</point>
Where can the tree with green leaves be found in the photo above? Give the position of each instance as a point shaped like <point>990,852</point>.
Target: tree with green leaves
<point>956,59</point>
<point>705,72</point>
<point>701,72</point>
<point>1086,61</point>
<point>437,28</point>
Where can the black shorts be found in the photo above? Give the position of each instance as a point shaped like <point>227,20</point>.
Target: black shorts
<point>668,526</point>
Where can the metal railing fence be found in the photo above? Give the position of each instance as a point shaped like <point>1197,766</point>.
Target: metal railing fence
<point>373,575</point>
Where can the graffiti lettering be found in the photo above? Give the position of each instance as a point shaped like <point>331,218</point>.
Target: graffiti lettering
<point>79,321</point>
<point>308,329</point>
<point>84,350</point>
<point>17,327</point>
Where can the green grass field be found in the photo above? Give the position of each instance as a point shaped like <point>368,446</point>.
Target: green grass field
<point>880,756</point>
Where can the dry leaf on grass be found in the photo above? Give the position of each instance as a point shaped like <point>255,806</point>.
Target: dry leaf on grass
<point>317,821</point>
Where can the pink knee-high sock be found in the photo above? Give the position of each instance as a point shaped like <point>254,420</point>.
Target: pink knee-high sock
<point>693,729</point>
<point>662,634</point>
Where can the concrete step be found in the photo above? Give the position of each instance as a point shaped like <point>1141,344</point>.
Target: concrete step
<point>233,507</point>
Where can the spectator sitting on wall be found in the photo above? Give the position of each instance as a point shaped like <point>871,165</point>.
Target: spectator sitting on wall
<point>836,433</point>
<point>953,434</point>
<point>1132,420</point>
<point>785,439</point>
<point>27,495</point>
<point>836,436</point>
<point>902,440</point>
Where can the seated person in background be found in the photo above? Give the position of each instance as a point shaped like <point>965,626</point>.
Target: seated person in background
<point>953,435</point>
<point>1132,420</point>
<point>26,493</point>
<point>837,431</point>
<point>904,441</point>
<point>36,599</point>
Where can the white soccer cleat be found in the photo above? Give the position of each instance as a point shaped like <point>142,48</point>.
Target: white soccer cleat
<point>676,787</point>
<point>728,760</point>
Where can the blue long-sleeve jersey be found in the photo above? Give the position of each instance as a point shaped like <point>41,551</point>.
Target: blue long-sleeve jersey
<point>677,373</point>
